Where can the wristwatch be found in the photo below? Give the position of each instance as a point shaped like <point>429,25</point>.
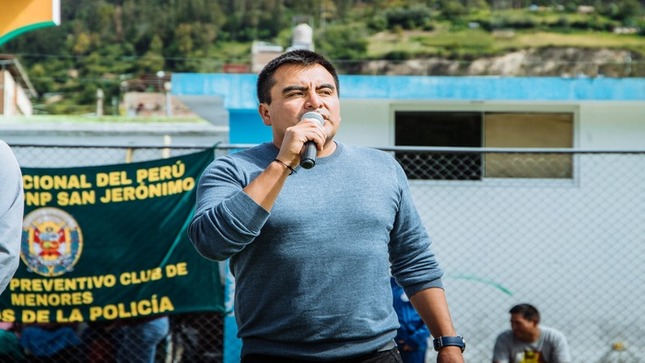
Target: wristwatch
<point>446,341</point>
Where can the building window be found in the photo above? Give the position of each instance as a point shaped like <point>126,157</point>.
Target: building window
<point>484,129</point>
<point>454,129</point>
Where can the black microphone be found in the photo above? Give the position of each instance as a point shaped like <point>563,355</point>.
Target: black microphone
<point>308,157</point>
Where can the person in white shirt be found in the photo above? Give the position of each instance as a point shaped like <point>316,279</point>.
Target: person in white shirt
<point>11,214</point>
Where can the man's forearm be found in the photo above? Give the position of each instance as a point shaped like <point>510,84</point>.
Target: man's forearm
<point>433,308</point>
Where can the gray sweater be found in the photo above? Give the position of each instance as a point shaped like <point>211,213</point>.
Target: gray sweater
<point>313,276</point>
<point>11,214</point>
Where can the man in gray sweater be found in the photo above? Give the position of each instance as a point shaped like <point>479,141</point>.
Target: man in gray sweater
<point>11,213</point>
<point>312,249</point>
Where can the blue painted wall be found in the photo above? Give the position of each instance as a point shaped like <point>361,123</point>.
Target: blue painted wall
<point>493,88</point>
<point>246,127</point>
<point>239,92</point>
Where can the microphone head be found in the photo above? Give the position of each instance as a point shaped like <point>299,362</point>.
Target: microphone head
<point>313,115</point>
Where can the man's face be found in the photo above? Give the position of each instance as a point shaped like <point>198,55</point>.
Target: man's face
<point>298,90</point>
<point>523,329</point>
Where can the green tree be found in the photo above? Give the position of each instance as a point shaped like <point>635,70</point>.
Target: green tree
<point>184,38</point>
<point>343,42</point>
<point>152,61</point>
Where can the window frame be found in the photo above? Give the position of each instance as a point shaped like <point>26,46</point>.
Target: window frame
<point>484,107</point>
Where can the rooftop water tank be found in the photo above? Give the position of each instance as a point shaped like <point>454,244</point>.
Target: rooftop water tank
<point>302,34</point>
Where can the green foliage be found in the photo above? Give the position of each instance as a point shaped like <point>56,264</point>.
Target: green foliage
<point>467,44</point>
<point>344,42</point>
<point>101,43</point>
<point>397,55</point>
<point>453,9</point>
<point>414,17</point>
<point>378,22</point>
<point>153,60</point>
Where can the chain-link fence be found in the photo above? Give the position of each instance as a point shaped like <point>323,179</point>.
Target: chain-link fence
<point>561,229</point>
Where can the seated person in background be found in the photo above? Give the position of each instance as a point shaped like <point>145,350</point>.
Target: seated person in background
<point>11,214</point>
<point>51,342</point>
<point>136,339</point>
<point>10,349</point>
<point>528,342</point>
<point>412,336</point>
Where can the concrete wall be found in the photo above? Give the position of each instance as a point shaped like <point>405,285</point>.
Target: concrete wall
<point>599,124</point>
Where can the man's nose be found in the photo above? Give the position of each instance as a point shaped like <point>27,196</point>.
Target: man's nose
<point>313,102</point>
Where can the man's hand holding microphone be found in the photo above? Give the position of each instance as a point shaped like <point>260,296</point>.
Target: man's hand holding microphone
<point>310,128</point>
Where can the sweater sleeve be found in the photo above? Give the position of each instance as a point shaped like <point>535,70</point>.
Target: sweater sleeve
<point>226,219</point>
<point>11,214</point>
<point>413,262</point>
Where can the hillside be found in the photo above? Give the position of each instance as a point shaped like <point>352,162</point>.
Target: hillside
<point>111,45</point>
<point>508,52</point>
<point>535,62</point>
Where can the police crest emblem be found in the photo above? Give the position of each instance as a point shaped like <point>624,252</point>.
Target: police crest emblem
<point>52,242</point>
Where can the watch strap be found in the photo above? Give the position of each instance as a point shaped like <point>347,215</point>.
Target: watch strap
<point>449,341</point>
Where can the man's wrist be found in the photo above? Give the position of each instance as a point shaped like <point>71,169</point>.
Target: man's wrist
<point>449,341</point>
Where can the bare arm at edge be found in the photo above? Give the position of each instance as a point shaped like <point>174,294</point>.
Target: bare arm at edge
<point>432,306</point>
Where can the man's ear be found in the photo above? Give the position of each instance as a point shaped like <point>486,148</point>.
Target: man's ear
<point>264,113</point>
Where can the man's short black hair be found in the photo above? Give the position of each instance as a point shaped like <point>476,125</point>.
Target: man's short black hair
<point>528,312</point>
<point>299,56</point>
